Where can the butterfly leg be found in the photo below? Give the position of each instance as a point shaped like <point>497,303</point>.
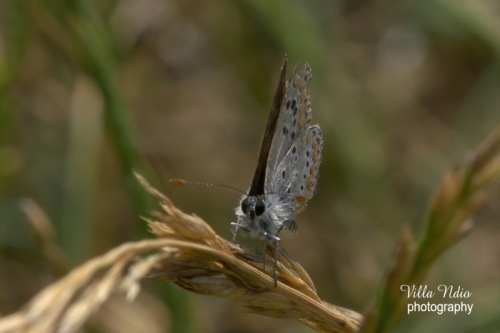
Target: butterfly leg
<point>265,250</point>
<point>277,249</point>
<point>234,229</point>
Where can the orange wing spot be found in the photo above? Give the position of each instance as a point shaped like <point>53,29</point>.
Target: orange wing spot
<point>309,185</point>
<point>312,171</point>
<point>309,138</point>
<point>302,119</point>
<point>301,199</point>
<point>315,145</point>
<point>315,157</point>
<point>302,107</point>
<point>302,84</point>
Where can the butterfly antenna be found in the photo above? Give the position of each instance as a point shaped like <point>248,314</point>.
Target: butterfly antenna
<point>176,181</point>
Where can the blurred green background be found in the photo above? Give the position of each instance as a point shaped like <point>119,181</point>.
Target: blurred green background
<point>90,90</point>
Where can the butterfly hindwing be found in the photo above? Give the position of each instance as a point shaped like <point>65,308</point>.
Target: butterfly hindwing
<point>297,174</point>
<point>303,187</point>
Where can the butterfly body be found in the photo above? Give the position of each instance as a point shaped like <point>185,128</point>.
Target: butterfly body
<point>264,216</point>
<point>287,170</point>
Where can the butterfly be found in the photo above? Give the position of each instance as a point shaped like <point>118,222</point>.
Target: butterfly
<point>287,170</point>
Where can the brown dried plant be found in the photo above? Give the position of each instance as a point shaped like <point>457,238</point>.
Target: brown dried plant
<point>448,219</point>
<point>190,254</point>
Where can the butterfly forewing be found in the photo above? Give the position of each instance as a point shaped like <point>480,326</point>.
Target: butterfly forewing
<point>295,117</point>
<point>257,186</point>
<point>293,166</point>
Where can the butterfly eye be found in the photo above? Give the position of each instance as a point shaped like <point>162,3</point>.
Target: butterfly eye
<point>244,206</point>
<point>259,207</point>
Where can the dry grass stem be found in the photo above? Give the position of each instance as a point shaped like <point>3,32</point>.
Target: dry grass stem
<point>190,254</point>
<point>66,304</point>
<point>460,193</point>
<point>207,264</point>
<point>45,237</point>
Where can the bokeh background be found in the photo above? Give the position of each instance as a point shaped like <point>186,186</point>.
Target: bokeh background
<point>90,90</point>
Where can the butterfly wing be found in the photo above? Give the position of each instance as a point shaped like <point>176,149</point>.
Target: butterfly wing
<point>295,117</point>
<point>296,151</point>
<point>257,186</point>
<point>297,174</point>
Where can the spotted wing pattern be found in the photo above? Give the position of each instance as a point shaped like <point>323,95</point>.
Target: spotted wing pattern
<point>295,117</point>
<point>293,166</point>
<point>304,177</point>
<point>297,174</point>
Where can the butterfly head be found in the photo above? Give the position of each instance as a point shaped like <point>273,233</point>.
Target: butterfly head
<point>253,206</point>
